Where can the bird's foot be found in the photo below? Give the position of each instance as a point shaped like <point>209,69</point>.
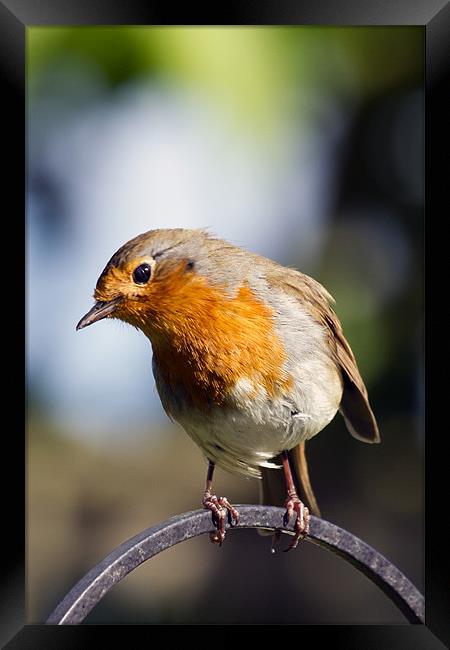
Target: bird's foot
<point>302,519</point>
<point>220,507</point>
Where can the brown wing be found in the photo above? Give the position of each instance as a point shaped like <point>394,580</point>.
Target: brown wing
<point>355,407</point>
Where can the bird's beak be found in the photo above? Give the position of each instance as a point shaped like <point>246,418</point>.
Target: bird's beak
<point>99,310</point>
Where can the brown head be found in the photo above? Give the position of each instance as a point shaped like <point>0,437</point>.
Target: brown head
<point>153,277</point>
<point>187,292</point>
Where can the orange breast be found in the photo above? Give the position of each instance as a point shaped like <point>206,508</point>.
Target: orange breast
<point>204,342</point>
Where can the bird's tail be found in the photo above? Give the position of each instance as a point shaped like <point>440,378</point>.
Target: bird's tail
<point>273,484</point>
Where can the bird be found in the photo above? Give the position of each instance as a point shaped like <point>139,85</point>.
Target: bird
<point>249,358</point>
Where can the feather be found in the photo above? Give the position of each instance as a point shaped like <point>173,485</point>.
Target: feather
<point>354,407</point>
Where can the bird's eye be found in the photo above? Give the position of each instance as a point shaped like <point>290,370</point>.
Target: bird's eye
<point>142,273</point>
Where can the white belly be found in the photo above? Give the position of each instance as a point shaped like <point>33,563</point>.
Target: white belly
<point>247,437</point>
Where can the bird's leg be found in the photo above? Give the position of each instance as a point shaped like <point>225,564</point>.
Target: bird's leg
<point>219,506</point>
<point>294,505</point>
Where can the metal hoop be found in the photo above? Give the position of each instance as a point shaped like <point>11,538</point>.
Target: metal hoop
<point>85,595</point>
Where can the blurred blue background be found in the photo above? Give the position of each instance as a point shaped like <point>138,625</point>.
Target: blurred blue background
<point>302,144</point>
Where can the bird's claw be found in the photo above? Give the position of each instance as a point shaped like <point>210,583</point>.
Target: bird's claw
<point>220,506</point>
<point>301,525</point>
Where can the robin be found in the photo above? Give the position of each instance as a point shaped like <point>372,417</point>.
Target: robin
<point>248,356</point>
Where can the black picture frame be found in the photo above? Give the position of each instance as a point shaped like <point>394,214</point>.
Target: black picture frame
<point>15,16</point>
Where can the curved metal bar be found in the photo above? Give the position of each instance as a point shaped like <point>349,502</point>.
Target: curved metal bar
<point>85,595</point>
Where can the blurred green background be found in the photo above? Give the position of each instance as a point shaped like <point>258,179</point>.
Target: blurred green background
<point>303,144</point>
